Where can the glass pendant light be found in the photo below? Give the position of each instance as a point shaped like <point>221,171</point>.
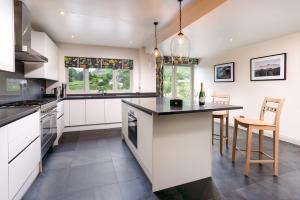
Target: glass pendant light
<point>156,52</point>
<point>180,44</point>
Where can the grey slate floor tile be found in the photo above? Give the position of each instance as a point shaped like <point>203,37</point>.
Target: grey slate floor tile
<point>97,165</point>
<point>87,176</point>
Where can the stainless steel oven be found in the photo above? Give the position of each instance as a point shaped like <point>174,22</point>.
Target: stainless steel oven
<point>48,128</point>
<point>132,128</point>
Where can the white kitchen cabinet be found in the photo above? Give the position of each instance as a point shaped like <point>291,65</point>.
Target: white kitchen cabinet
<point>66,113</point>
<point>77,112</point>
<point>145,130</point>
<point>94,109</point>
<point>124,120</point>
<point>7,37</point>
<point>41,43</point>
<point>113,110</point>
<point>21,133</point>
<point>60,120</point>
<point>3,163</point>
<point>22,167</point>
<point>60,108</point>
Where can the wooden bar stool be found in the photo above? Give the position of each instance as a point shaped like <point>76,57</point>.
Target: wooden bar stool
<point>269,105</point>
<point>221,99</point>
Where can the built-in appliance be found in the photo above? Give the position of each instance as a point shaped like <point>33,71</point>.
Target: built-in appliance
<point>23,51</point>
<point>132,128</point>
<point>47,119</point>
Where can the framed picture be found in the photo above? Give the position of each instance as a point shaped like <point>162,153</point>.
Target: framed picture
<point>268,68</point>
<point>224,72</point>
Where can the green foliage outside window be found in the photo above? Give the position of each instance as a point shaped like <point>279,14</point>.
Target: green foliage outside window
<point>100,79</point>
<point>123,79</point>
<point>183,81</point>
<point>167,73</point>
<point>183,86</point>
<point>76,78</point>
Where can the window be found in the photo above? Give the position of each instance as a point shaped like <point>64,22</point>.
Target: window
<point>123,79</point>
<point>167,81</point>
<point>184,82</point>
<point>76,81</point>
<point>178,82</point>
<point>99,79</point>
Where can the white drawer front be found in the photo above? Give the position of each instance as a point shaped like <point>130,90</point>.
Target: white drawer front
<point>60,126</point>
<point>22,132</point>
<point>22,166</point>
<point>60,108</point>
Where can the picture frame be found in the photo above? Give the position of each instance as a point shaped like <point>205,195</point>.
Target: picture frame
<point>224,72</point>
<point>268,68</point>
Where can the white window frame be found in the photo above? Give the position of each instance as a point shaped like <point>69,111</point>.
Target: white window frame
<point>174,80</point>
<point>86,89</point>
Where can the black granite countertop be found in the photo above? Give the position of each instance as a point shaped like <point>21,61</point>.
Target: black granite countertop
<point>109,96</point>
<point>161,106</point>
<point>8,115</point>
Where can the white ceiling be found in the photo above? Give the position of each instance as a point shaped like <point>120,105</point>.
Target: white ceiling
<point>121,23</point>
<point>243,21</point>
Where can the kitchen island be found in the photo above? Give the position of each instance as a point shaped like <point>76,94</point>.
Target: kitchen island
<point>172,145</point>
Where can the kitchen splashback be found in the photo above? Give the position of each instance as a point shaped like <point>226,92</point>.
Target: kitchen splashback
<point>14,87</point>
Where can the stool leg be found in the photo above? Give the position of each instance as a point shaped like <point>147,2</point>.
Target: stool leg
<point>234,139</point>
<point>221,134</point>
<point>213,129</point>
<point>275,151</point>
<point>248,151</point>
<point>261,144</point>
<point>227,135</point>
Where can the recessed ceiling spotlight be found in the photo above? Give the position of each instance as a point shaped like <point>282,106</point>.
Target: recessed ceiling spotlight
<point>130,42</point>
<point>72,36</point>
<point>62,12</point>
<point>231,39</point>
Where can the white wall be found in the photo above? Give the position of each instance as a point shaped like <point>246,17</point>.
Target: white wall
<point>250,94</point>
<point>143,72</point>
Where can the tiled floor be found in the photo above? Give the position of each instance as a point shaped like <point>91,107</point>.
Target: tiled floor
<point>97,165</point>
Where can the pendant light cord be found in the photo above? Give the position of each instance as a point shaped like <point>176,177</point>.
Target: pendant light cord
<point>155,23</point>
<point>180,15</point>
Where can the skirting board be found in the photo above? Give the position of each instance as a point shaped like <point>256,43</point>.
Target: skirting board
<point>92,127</point>
<point>270,135</point>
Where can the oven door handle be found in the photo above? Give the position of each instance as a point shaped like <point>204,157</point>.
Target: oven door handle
<point>47,116</point>
<point>131,118</point>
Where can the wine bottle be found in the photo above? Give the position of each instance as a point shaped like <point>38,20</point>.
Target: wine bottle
<point>202,95</point>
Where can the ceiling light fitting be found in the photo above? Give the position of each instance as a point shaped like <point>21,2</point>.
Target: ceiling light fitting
<point>156,52</point>
<point>180,44</point>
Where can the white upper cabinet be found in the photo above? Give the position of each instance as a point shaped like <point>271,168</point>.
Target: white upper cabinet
<point>41,43</point>
<point>7,41</point>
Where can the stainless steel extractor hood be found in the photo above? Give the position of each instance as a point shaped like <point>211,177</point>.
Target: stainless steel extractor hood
<point>23,51</point>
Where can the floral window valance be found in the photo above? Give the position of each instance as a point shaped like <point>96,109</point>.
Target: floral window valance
<point>169,60</point>
<point>84,62</point>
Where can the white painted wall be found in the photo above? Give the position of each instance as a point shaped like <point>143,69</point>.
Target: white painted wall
<point>143,72</point>
<point>250,94</point>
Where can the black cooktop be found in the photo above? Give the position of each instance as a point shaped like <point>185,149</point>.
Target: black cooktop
<point>35,102</point>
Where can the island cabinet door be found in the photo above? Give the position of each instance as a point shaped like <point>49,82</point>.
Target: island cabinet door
<point>94,109</point>
<point>113,111</point>
<point>145,133</point>
<point>125,120</point>
<point>77,112</point>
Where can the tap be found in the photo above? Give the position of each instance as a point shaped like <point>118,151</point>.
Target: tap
<point>101,91</point>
